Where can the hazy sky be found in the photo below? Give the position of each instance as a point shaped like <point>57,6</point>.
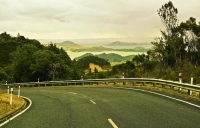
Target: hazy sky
<point>83,19</point>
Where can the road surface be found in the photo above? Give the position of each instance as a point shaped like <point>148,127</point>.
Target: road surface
<point>95,107</point>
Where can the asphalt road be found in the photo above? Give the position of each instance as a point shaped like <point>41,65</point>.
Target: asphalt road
<point>84,107</point>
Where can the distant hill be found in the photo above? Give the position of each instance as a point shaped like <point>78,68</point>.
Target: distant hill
<point>101,48</point>
<point>68,43</point>
<point>119,43</point>
<point>111,57</point>
<point>87,62</point>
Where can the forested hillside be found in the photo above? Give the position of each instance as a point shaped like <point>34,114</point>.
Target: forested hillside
<point>84,62</point>
<point>25,60</point>
<point>111,57</point>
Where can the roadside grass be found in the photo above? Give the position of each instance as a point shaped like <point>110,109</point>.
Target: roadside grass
<point>6,108</point>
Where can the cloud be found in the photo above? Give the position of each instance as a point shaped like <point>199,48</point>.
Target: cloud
<point>87,18</point>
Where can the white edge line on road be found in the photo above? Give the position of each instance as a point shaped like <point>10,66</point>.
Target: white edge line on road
<point>92,101</point>
<point>112,123</point>
<point>18,113</point>
<point>163,96</point>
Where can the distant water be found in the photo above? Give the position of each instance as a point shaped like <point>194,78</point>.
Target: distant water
<point>128,47</point>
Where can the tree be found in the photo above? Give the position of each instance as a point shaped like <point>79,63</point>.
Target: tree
<point>170,46</point>
<point>191,33</point>
<point>139,59</point>
<point>128,68</point>
<point>21,62</point>
<point>168,15</point>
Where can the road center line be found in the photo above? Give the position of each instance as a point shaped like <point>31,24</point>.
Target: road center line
<point>112,123</point>
<point>72,93</point>
<point>92,101</point>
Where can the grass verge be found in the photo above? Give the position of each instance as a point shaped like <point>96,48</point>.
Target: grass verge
<point>6,108</point>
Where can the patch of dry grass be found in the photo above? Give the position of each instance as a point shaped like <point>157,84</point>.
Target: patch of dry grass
<point>6,108</point>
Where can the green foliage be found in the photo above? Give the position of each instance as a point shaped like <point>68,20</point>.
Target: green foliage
<point>112,57</point>
<point>127,68</point>
<point>83,63</point>
<point>22,59</point>
<point>26,60</point>
<point>3,76</point>
<point>177,51</point>
<point>84,55</point>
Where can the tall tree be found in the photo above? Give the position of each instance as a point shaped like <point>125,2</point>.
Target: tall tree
<point>171,42</point>
<point>168,15</point>
<point>191,32</point>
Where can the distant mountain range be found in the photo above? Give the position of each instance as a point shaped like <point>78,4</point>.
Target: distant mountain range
<point>111,57</point>
<point>116,43</point>
<point>100,41</point>
<point>68,44</point>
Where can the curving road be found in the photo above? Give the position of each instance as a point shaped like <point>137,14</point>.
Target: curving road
<point>84,107</point>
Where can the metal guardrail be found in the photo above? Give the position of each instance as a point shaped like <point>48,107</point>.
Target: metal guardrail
<point>172,84</point>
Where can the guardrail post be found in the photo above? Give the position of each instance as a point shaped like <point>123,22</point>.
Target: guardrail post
<point>8,89</point>
<point>133,83</point>
<point>180,77</point>
<point>191,80</point>
<point>11,92</point>
<point>189,92</point>
<point>180,80</point>
<point>199,94</point>
<point>124,83</point>
<point>19,91</point>
<point>144,83</point>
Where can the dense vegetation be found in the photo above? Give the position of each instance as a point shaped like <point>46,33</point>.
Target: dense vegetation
<point>84,62</point>
<point>176,51</point>
<point>25,60</point>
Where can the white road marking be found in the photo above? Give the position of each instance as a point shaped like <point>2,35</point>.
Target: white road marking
<point>92,101</point>
<point>72,92</point>
<point>5,122</point>
<point>112,123</point>
<point>198,106</point>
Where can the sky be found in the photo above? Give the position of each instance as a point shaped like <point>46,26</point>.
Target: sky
<point>88,19</point>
